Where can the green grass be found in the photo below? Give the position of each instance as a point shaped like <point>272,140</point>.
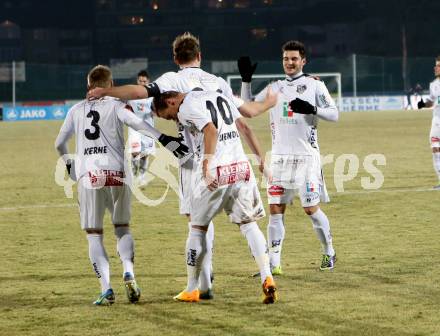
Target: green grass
<point>385,282</point>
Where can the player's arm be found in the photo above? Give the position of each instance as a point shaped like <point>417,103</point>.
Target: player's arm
<point>246,69</point>
<point>66,132</point>
<point>429,102</point>
<point>251,109</point>
<point>125,92</point>
<point>210,144</point>
<point>249,136</point>
<point>325,107</point>
<point>173,144</point>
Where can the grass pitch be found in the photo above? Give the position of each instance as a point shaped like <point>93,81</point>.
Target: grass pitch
<point>387,242</point>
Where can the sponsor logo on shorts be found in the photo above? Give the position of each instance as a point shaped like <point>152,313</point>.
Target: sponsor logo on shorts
<point>235,172</point>
<point>310,187</point>
<point>276,190</point>
<point>107,178</point>
<point>435,139</point>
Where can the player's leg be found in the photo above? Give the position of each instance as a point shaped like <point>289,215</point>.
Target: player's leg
<point>185,190</point>
<point>435,145</point>
<point>119,205</point>
<point>208,204</point>
<point>245,208</point>
<point>321,225</point>
<point>278,197</point>
<point>92,207</point>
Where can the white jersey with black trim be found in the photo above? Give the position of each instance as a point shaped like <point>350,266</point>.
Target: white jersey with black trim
<point>98,126</point>
<point>194,79</point>
<point>434,96</point>
<point>294,133</point>
<point>200,108</point>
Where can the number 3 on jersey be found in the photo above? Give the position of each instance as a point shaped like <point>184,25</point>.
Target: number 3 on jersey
<point>96,131</point>
<point>222,106</point>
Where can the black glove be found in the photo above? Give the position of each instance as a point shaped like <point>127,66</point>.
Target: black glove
<point>302,107</point>
<point>421,104</point>
<point>174,145</point>
<point>246,68</point>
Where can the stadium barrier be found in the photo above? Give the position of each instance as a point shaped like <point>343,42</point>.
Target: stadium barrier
<point>35,112</point>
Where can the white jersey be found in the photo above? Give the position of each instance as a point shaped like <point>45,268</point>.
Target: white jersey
<point>294,133</point>
<point>142,109</point>
<point>194,79</point>
<point>200,108</point>
<point>98,126</point>
<point>434,96</point>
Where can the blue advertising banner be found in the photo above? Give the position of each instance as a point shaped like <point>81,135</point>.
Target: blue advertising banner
<point>21,113</point>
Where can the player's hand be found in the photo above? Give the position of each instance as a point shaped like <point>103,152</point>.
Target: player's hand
<point>421,104</point>
<point>174,145</point>
<point>246,68</point>
<point>70,167</point>
<point>96,93</point>
<point>302,107</point>
<point>211,182</point>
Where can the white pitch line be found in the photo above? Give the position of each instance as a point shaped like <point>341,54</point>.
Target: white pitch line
<point>333,194</point>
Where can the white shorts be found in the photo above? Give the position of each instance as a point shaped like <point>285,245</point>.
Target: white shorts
<point>240,200</point>
<point>186,173</point>
<point>94,201</point>
<point>139,143</point>
<point>296,175</point>
<point>434,135</point>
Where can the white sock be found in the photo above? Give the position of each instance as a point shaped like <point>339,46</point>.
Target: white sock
<point>321,226</point>
<point>125,247</point>
<point>206,270</point>
<point>275,237</point>
<point>195,252</point>
<point>436,162</point>
<point>258,246</point>
<point>99,260</point>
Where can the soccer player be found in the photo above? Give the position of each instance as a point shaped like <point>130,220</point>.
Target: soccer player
<point>99,170</point>
<point>187,55</point>
<point>223,181</point>
<point>141,146</point>
<point>295,162</point>
<point>434,101</point>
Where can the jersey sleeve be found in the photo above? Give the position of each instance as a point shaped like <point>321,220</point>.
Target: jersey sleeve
<point>192,114</point>
<point>227,91</point>
<point>260,96</point>
<point>66,132</point>
<point>167,82</point>
<point>431,97</point>
<point>326,107</point>
<point>125,114</point>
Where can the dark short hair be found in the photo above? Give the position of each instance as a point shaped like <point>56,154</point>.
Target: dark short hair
<point>437,59</point>
<point>295,45</point>
<point>143,73</point>
<point>159,102</point>
<point>186,47</point>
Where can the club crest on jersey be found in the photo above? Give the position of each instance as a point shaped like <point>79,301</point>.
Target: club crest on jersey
<point>287,111</point>
<point>301,88</point>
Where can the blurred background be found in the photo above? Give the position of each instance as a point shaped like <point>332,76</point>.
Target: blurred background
<point>379,47</point>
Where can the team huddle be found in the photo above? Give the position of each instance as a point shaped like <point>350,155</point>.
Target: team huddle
<point>215,173</point>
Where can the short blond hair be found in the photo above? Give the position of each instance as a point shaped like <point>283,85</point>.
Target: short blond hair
<point>186,47</point>
<point>100,76</point>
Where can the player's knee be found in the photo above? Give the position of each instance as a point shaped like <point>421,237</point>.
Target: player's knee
<point>121,230</point>
<point>311,210</point>
<point>436,149</point>
<point>276,209</point>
